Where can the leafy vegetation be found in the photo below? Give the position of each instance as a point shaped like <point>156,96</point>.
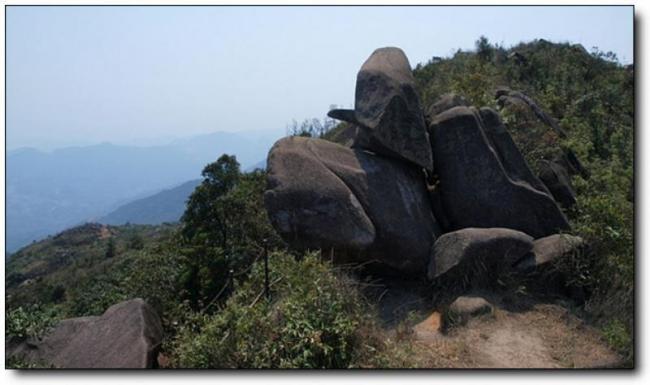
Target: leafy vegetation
<point>310,321</point>
<point>223,231</point>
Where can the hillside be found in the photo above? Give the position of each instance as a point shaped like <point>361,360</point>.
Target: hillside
<point>48,192</point>
<point>347,286</point>
<point>75,266</point>
<point>165,206</point>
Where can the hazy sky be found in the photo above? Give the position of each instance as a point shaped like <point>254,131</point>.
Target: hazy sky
<point>83,75</point>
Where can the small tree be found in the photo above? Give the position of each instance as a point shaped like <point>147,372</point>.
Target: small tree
<point>206,216</point>
<point>312,128</point>
<point>222,229</point>
<point>206,234</point>
<point>484,49</point>
<point>110,248</point>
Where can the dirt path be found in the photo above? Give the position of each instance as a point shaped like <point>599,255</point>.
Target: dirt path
<point>518,334</point>
<point>544,336</point>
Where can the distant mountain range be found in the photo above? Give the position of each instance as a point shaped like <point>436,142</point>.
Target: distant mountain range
<point>164,207</point>
<point>48,192</point>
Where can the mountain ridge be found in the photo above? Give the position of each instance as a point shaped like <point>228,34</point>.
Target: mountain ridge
<point>49,191</point>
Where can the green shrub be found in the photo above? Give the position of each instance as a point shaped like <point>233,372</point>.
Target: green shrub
<point>31,321</point>
<point>619,337</point>
<point>314,319</point>
<point>223,229</point>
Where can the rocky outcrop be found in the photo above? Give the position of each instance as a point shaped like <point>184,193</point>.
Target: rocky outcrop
<point>484,181</point>
<point>492,249</point>
<point>387,109</point>
<point>476,204</point>
<point>506,97</point>
<point>325,196</point>
<point>127,335</point>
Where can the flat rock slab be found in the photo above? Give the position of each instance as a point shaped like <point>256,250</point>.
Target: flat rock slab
<point>127,335</point>
<point>322,195</point>
<point>387,109</point>
<point>465,249</point>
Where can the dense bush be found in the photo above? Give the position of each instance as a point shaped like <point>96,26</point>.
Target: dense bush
<point>312,320</point>
<point>30,321</point>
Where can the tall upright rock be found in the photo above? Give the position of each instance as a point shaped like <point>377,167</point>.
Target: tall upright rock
<point>512,160</point>
<point>387,109</point>
<point>481,188</point>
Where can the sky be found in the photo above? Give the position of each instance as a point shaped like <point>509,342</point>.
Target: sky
<point>148,75</point>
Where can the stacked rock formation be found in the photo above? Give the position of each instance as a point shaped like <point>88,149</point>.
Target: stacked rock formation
<point>373,198</point>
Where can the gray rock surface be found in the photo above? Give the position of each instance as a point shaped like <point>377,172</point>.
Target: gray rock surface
<point>497,248</point>
<point>127,335</point>
<point>549,249</point>
<point>569,160</point>
<point>444,103</point>
<point>388,109</point>
<point>464,308</point>
<point>557,180</point>
<point>511,158</point>
<point>476,187</point>
<point>324,195</point>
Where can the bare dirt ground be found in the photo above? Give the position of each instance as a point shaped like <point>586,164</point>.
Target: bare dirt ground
<point>104,233</point>
<point>525,334</point>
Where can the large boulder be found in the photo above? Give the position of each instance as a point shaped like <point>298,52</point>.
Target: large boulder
<point>387,109</point>
<point>127,335</point>
<point>544,276</point>
<point>322,195</point>
<point>465,250</point>
<point>483,180</point>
